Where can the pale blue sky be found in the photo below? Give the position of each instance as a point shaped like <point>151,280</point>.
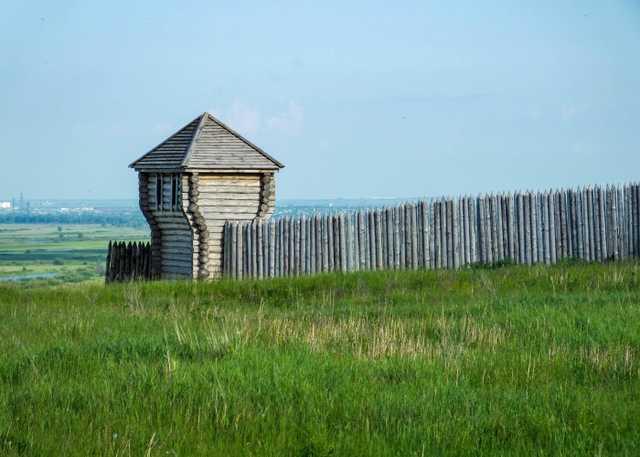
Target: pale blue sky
<point>357,98</point>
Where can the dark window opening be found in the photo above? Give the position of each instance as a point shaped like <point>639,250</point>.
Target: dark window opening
<point>159,192</point>
<point>174,192</point>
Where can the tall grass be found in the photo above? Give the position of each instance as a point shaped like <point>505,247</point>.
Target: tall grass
<point>506,361</point>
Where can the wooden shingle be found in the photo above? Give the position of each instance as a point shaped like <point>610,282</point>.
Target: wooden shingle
<point>206,144</point>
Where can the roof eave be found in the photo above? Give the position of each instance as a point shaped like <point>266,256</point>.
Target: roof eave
<point>158,170</point>
<point>231,169</point>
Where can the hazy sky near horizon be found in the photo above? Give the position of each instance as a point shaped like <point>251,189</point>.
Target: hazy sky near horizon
<point>357,99</point>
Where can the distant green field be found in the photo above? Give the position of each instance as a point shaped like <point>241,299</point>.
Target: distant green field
<point>70,253</point>
<point>481,362</point>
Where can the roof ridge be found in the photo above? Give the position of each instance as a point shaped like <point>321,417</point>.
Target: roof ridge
<point>194,138</point>
<point>132,164</point>
<point>243,139</point>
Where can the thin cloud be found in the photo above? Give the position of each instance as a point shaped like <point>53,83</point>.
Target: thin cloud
<point>249,120</point>
<point>289,122</point>
<point>245,119</point>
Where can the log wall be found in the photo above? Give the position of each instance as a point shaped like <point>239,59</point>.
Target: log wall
<point>231,197</point>
<point>156,234</point>
<point>175,246</point>
<point>594,224</point>
<point>187,232</point>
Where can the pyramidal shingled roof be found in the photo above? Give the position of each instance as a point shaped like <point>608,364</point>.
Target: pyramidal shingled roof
<point>206,144</point>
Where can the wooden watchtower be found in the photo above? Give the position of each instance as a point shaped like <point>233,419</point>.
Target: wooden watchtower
<point>194,181</point>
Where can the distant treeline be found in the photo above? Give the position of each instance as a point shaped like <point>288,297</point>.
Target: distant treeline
<point>133,219</point>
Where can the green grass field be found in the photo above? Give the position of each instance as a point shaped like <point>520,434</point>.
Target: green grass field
<point>69,253</point>
<point>506,361</point>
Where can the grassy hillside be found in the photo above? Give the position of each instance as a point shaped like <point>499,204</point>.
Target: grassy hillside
<point>509,361</point>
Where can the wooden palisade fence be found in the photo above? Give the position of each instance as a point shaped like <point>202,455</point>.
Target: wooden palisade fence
<point>593,224</point>
<point>128,262</point>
